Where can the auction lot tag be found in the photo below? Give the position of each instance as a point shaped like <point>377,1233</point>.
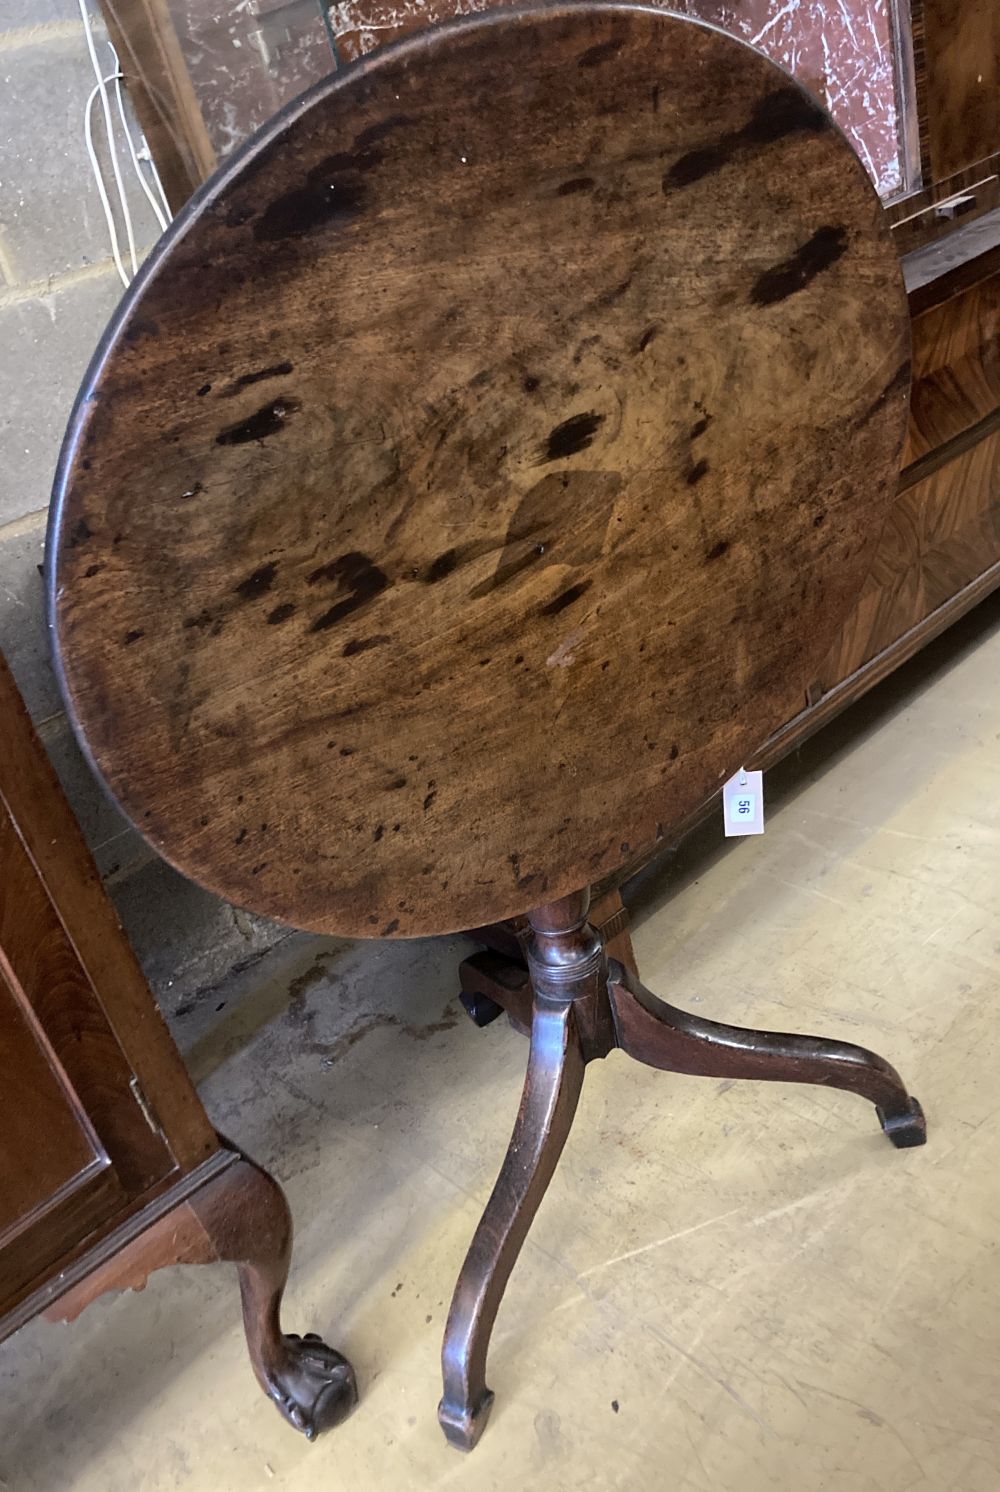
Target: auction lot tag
<point>743,803</point>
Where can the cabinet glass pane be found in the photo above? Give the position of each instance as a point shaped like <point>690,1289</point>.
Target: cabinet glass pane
<point>246,58</point>
<point>855,55</point>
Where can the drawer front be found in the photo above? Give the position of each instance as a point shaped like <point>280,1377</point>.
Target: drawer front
<point>943,534</point>
<point>956,367</point>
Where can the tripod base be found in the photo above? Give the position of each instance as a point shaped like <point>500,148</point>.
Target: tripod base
<point>579,1005</point>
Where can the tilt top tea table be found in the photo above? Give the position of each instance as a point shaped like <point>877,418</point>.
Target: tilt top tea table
<point>470,481</point>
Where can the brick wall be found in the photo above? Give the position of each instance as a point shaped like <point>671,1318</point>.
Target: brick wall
<point>58,286</point>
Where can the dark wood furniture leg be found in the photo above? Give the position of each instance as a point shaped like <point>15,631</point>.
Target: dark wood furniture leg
<point>239,1216</point>
<point>662,1036</point>
<point>570,1024</point>
<point>583,1007</point>
<point>551,1091</point>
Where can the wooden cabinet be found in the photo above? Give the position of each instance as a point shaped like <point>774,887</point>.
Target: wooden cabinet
<point>93,1085</point>
<point>956,47</point>
<point>940,549</point>
<point>72,1185</point>
<point>109,1167</point>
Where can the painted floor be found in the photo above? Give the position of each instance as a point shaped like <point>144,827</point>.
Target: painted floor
<point>729,1287</point>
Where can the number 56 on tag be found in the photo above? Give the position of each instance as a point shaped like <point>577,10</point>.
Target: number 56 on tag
<point>743,804</point>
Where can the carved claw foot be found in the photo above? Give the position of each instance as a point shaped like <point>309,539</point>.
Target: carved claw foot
<point>316,1388</point>
<point>239,1214</point>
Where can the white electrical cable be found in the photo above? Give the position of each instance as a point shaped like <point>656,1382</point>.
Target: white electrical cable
<point>101,89</point>
<point>95,164</point>
<point>131,146</point>
<point>159,183</point>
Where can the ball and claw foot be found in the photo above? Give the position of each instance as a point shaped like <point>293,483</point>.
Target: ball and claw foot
<point>318,1389</point>
<point>906,1128</point>
<point>463,1426</point>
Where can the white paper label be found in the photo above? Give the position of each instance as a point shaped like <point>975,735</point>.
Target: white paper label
<point>743,804</point>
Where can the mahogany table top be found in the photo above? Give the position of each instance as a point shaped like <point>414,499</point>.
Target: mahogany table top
<point>478,469</point>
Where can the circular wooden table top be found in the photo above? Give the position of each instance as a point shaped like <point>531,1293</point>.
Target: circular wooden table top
<point>479,469</point>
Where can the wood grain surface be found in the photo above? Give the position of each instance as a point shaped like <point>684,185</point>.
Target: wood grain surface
<point>845,54</point>
<point>67,956</point>
<point>943,534</point>
<point>479,470</point>
<point>956,367</point>
<point>962,48</point>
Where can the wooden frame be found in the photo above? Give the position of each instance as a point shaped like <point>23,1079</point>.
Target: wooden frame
<point>160,87</point>
<point>956,58</point>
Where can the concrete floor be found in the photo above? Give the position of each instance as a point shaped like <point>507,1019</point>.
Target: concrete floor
<point>730,1287</point>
